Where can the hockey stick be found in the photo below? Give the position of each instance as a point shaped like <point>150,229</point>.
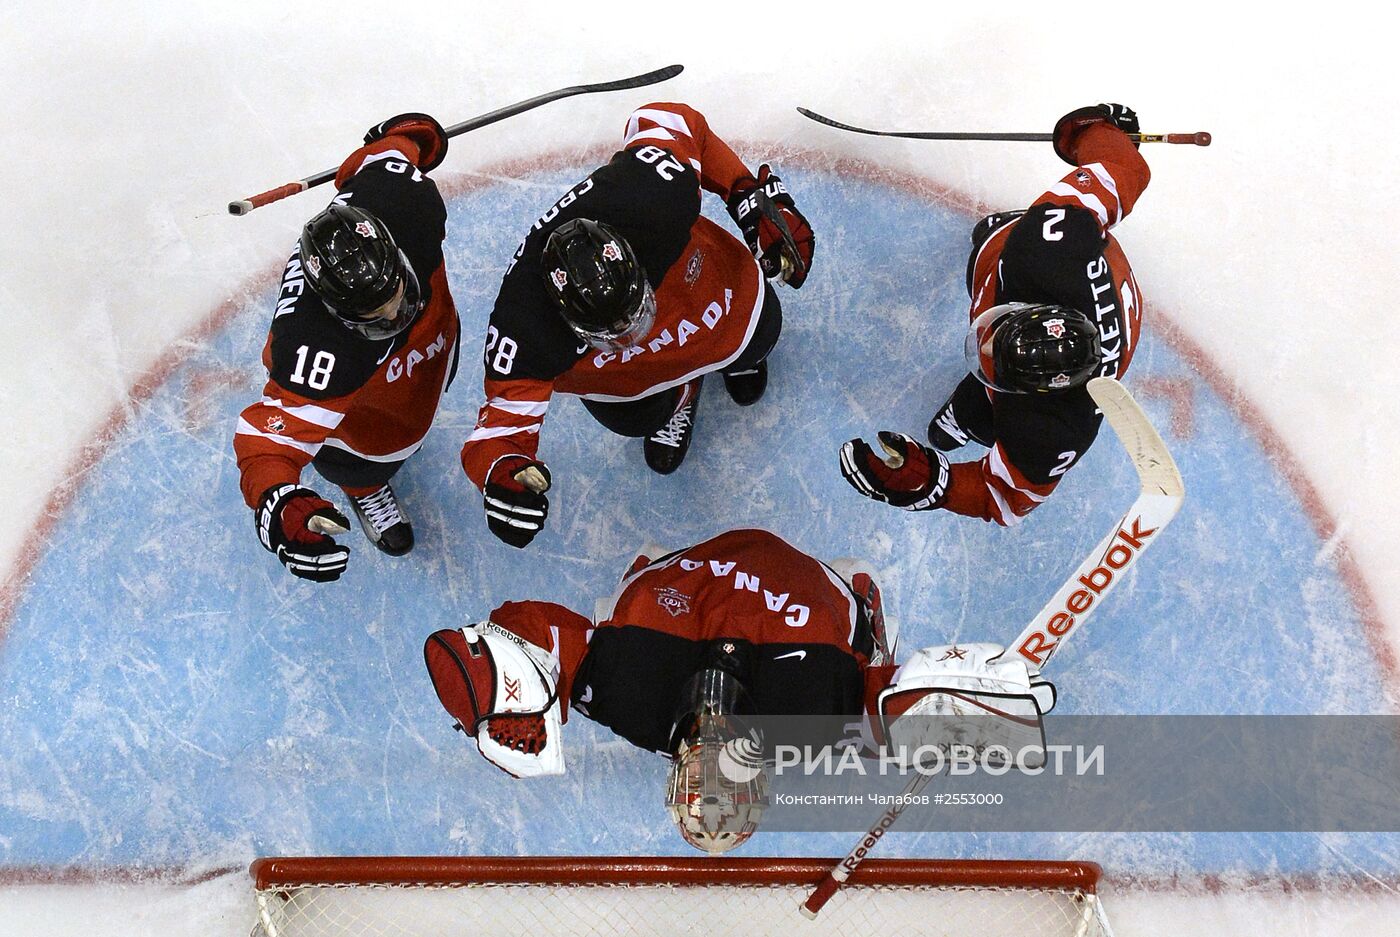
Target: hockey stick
<point>843,869</point>
<point>243,206</point>
<point>790,257</point>
<point>1159,497</point>
<point>1199,138</point>
<point>1160,493</point>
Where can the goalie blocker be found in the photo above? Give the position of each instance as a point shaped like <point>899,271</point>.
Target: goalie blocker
<point>967,697</point>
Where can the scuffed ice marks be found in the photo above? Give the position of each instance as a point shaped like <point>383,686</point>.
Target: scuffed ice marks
<point>170,693</point>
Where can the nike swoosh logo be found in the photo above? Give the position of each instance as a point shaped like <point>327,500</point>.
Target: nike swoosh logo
<point>800,655</point>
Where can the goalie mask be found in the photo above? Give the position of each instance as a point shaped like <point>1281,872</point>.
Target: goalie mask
<point>718,784</point>
<point>503,692</point>
<point>1030,348</point>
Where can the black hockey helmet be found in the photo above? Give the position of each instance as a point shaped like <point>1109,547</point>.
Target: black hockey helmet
<point>600,288</point>
<point>1033,348</point>
<point>354,266</point>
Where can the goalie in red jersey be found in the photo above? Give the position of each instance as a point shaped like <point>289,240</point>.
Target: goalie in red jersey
<point>363,343</point>
<point>1054,303</point>
<point>624,295</point>
<point>693,642</point>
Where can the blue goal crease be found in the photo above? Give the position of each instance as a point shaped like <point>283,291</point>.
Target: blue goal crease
<point>171,695</point>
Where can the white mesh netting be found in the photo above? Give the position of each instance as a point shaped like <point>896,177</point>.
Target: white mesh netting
<point>714,909</point>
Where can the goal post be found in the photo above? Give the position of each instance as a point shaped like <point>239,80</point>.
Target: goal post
<point>403,896</point>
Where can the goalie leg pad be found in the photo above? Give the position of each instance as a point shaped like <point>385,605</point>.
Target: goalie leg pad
<point>503,692</point>
<point>873,627</point>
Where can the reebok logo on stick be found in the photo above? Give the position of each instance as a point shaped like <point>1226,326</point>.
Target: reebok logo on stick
<point>1125,547</point>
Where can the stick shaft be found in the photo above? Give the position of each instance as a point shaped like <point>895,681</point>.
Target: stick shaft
<point>243,206</point>
<point>842,870</point>
<point>1160,494</point>
<point>1200,138</point>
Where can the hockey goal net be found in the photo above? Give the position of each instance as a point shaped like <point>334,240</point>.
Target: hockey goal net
<point>751,897</point>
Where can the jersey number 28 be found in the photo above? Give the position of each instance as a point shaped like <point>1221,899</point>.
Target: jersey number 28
<point>500,351</point>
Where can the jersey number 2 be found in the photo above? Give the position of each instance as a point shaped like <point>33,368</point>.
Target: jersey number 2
<point>1066,460</point>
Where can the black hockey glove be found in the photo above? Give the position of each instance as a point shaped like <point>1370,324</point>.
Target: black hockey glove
<point>292,524</point>
<point>514,499</point>
<point>1068,128</point>
<point>914,477</point>
<point>423,130</point>
<point>774,229</point>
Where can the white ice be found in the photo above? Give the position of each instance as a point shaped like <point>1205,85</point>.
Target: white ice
<point>127,127</point>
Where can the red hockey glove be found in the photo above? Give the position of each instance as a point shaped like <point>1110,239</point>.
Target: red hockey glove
<point>426,133</point>
<point>1069,127</point>
<point>292,523</point>
<point>774,229</point>
<point>914,477</point>
<point>514,499</point>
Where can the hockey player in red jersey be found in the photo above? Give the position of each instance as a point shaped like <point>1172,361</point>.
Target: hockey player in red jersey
<point>1054,303</point>
<point>362,345</point>
<point>624,295</point>
<point>693,642</point>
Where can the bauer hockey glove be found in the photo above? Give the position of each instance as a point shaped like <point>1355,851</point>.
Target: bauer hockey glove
<point>774,229</point>
<point>912,477</point>
<point>423,130</point>
<point>292,524</point>
<point>514,499</point>
<point>1069,127</point>
<point>426,134</point>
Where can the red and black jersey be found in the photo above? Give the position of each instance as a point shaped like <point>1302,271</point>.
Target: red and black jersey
<point>1059,251</point>
<point>796,619</point>
<point>709,290</point>
<point>329,386</point>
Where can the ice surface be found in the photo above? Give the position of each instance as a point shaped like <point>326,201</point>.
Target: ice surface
<point>169,696</point>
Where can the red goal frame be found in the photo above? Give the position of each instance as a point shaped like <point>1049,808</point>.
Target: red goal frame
<point>270,874</point>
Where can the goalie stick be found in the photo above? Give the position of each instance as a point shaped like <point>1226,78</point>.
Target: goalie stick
<point>1199,138</point>
<point>1160,493</point>
<point>243,206</point>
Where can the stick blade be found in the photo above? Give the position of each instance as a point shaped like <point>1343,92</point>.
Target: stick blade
<point>1156,469</point>
<point>813,115</point>
<point>639,81</point>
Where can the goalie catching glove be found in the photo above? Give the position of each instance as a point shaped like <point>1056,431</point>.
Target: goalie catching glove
<point>912,476</point>
<point>971,696</point>
<point>503,692</point>
<point>293,522</point>
<point>774,229</point>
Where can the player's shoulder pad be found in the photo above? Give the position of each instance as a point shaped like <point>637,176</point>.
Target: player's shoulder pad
<point>649,185</point>
<point>311,354</point>
<point>1062,229</point>
<point>409,204</point>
